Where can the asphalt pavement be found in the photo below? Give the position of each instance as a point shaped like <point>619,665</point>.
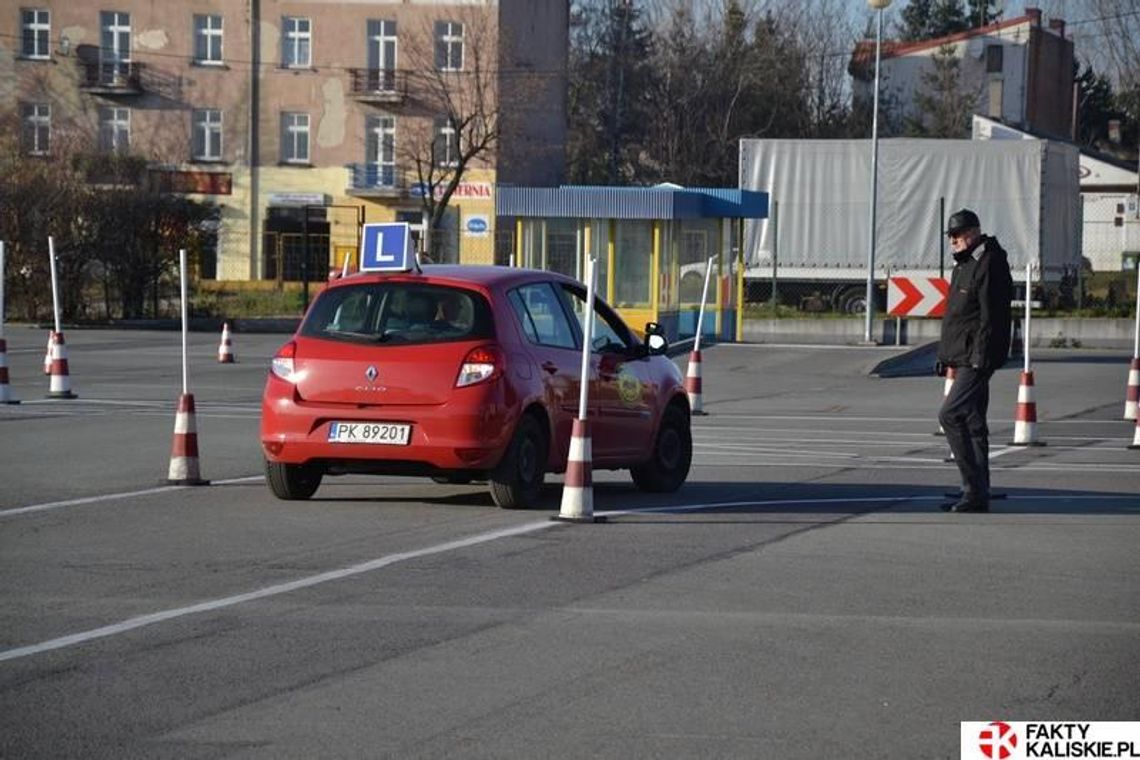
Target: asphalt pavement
<point>801,596</point>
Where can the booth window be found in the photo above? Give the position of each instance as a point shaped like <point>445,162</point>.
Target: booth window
<point>633,259</point>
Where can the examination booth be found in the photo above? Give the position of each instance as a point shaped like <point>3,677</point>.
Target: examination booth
<point>652,245</point>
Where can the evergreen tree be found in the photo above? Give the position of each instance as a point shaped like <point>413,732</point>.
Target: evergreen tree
<point>983,12</point>
<point>943,103</point>
<point>929,19</point>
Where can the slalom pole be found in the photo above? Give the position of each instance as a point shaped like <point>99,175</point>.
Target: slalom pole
<point>693,373</point>
<point>704,298</point>
<point>54,283</point>
<point>60,371</point>
<point>1136,331</point>
<point>578,490</point>
<point>184,469</point>
<point>1028,312</point>
<point>5,391</point>
<point>185,353</point>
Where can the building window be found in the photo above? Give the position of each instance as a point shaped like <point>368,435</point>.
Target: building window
<point>37,128</point>
<point>295,138</point>
<point>448,46</point>
<point>37,32</point>
<point>116,45</point>
<point>380,147</point>
<point>114,129</point>
<point>207,134</point>
<point>445,145</point>
<point>297,43</point>
<point>207,39</point>
<point>994,59</point>
<point>382,52</point>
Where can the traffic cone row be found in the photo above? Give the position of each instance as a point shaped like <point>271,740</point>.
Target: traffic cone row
<point>5,390</point>
<point>693,383</point>
<point>225,349</point>
<point>184,452</point>
<point>1132,396</point>
<point>1025,419</point>
<point>60,377</point>
<point>578,490</point>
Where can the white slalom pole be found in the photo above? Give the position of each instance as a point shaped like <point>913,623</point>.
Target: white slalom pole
<point>344,269</point>
<point>1136,331</point>
<point>185,323</point>
<point>2,312</point>
<point>588,339</point>
<point>54,283</point>
<point>578,489</point>
<point>1028,311</point>
<point>704,298</point>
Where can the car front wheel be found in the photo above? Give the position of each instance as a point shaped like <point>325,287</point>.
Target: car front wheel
<point>292,482</point>
<point>667,469</point>
<point>517,482</point>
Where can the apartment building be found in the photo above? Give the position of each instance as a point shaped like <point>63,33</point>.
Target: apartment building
<point>1020,69</point>
<point>300,120</point>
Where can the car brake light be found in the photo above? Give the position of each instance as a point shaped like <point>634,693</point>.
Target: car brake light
<point>282,365</point>
<point>479,364</point>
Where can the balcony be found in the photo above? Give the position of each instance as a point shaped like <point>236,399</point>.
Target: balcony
<point>112,78</point>
<point>375,181</point>
<point>378,85</point>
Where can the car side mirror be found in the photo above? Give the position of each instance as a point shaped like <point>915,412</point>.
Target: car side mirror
<point>655,342</point>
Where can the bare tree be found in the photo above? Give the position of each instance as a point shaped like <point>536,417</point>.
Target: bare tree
<point>453,87</point>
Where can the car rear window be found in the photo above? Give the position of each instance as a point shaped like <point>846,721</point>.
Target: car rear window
<point>399,312</point>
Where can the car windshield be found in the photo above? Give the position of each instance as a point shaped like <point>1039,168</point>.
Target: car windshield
<point>399,312</point>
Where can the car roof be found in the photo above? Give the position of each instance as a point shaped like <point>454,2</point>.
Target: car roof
<point>483,276</point>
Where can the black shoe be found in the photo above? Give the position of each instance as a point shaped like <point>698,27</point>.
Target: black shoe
<point>967,505</point>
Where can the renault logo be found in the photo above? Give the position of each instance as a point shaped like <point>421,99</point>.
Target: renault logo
<point>371,373</point>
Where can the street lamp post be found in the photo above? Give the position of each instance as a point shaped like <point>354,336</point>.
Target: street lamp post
<point>878,6</point>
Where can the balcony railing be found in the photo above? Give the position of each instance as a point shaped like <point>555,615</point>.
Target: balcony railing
<point>378,85</point>
<point>112,77</point>
<point>375,180</point>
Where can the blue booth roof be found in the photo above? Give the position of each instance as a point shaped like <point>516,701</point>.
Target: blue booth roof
<point>602,202</point>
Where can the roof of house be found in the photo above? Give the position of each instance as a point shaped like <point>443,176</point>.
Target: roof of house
<point>864,56</point>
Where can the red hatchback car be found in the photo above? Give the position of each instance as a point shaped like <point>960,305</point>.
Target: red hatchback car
<point>465,373</point>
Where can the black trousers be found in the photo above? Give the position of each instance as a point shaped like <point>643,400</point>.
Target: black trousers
<point>963,418</point>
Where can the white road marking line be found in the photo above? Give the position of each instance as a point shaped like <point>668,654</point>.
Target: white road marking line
<point>263,593</point>
<point>834,418</point>
<point>365,567</point>
<point>112,496</point>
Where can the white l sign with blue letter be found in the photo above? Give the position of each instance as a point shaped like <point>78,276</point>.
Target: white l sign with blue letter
<point>386,248</point>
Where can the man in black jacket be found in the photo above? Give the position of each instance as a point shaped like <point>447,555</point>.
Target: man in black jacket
<point>975,342</point>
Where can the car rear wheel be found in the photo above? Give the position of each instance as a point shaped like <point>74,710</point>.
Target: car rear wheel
<point>517,482</point>
<point>292,482</point>
<point>667,469</point>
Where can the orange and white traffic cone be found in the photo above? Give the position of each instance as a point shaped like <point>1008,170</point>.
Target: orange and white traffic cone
<point>1132,396</point>
<point>947,384</point>
<point>47,353</point>
<point>60,375</point>
<point>5,391</point>
<point>225,348</point>
<point>693,383</point>
<point>184,453</point>
<point>1025,419</point>
<point>578,491</point>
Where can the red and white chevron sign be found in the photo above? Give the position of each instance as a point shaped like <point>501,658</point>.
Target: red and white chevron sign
<point>917,296</point>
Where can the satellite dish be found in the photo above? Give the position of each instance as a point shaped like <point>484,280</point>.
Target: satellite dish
<point>976,47</point>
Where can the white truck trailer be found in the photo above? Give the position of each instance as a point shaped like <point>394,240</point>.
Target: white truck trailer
<point>816,239</point>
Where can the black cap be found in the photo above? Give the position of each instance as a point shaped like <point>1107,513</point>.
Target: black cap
<point>962,220</point>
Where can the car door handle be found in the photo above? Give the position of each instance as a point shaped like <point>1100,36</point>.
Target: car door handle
<point>550,367</point>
